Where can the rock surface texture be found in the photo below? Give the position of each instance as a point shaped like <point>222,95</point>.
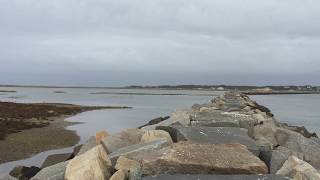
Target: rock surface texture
<point>192,158</point>
<point>298,170</point>
<point>92,165</point>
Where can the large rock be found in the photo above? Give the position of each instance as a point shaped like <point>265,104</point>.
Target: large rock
<point>299,170</point>
<point>133,167</point>
<point>275,158</point>
<point>22,172</point>
<point>151,135</point>
<point>89,144</point>
<point>137,151</point>
<point>55,172</point>
<point>92,165</point>
<point>126,164</point>
<point>55,159</point>
<point>192,158</point>
<point>180,116</point>
<point>212,135</point>
<point>214,118</point>
<point>215,177</point>
<point>264,134</point>
<point>296,142</point>
<point>122,139</point>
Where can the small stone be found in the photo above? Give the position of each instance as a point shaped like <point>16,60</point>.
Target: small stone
<point>151,135</point>
<point>101,135</point>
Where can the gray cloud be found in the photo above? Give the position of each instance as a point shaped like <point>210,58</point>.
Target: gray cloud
<point>118,42</point>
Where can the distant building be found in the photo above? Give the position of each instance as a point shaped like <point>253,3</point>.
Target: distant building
<point>220,88</point>
<point>308,87</point>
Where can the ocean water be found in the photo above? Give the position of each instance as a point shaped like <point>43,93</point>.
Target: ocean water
<point>147,104</point>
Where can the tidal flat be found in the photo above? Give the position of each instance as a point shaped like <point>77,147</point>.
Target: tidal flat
<point>30,128</point>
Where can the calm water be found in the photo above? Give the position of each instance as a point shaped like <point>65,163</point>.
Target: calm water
<point>299,110</point>
<point>294,109</point>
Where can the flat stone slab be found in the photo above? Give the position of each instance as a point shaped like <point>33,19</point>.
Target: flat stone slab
<point>218,118</point>
<point>180,116</point>
<point>138,150</point>
<point>122,139</point>
<point>193,158</point>
<point>212,135</point>
<point>215,177</point>
<point>214,118</point>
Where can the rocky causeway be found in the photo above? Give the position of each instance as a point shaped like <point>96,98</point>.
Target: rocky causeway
<point>231,137</point>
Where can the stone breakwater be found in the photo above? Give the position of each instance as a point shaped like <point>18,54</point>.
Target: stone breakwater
<point>230,137</point>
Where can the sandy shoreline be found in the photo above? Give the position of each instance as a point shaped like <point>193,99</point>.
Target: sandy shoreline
<point>28,142</point>
<point>28,129</point>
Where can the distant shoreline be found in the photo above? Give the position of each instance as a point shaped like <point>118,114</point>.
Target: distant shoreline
<point>248,90</point>
<point>282,93</point>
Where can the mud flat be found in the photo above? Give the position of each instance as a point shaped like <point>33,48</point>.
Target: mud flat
<point>27,129</point>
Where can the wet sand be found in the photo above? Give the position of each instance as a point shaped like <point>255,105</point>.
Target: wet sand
<point>27,129</point>
<point>28,142</point>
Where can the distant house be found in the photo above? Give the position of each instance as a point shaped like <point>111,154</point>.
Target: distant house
<point>308,87</point>
<point>220,88</point>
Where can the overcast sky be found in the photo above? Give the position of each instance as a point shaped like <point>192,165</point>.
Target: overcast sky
<point>124,42</point>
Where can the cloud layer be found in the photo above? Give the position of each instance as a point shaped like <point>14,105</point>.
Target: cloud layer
<point>120,42</point>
